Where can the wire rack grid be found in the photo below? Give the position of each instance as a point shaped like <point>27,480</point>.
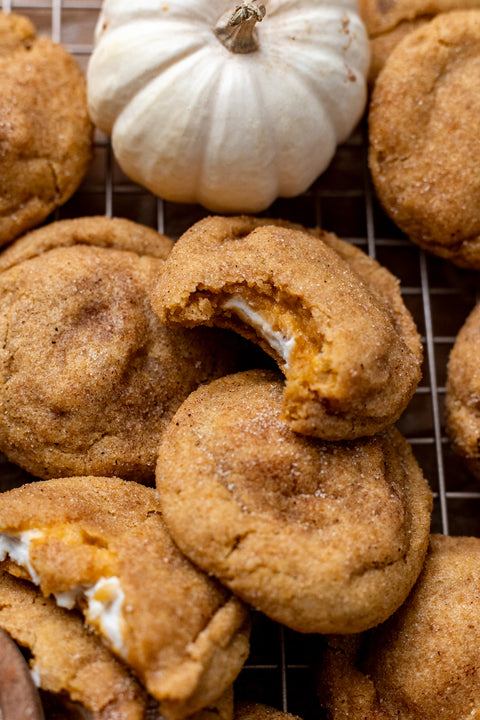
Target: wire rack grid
<point>281,668</point>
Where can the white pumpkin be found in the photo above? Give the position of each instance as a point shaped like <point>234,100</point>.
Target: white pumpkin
<point>227,105</point>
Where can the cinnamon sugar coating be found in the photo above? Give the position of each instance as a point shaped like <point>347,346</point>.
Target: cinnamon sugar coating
<point>89,377</point>
<point>421,663</point>
<point>388,21</point>
<point>100,545</point>
<point>46,135</point>
<point>332,318</point>
<point>462,419</point>
<point>322,537</point>
<point>424,136</point>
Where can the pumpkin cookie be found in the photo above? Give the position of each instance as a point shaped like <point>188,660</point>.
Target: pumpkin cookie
<point>89,376</point>
<point>100,544</point>
<point>424,136</point>
<point>46,136</point>
<point>66,659</point>
<point>463,392</point>
<point>331,317</point>
<point>423,662</point>
<point>322,537</point>
<point>388,21</point>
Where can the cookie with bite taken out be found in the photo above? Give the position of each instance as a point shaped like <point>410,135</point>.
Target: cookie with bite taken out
<point>332,318</point>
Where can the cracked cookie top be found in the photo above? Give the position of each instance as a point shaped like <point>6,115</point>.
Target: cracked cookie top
<point>323,537</point>
<point>100,545</point>
<point>46,135</point>
<point>424,136</point>
<point>89,376</point>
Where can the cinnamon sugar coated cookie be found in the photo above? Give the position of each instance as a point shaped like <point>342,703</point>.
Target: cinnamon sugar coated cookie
<point>331,317</point>
<point>388,21</point>
<point>65,657</point>
<point>89,377</point>
<point>463,391</point>
<point>322,537</point>
<point>423,662</point>
<point>100,544</point>
<point>46,136</point>
<point>424,132</point>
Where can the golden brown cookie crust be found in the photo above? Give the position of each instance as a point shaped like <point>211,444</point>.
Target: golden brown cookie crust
<point>354,352</point>
<point>463,392</point>
<point>182,633</point>
<point>323,537</point>
<point>89,376</point>
<point>381,16</point>
<point>95,231</point>
<point>46,135</point>
<point>424,141</point>
<point>65,656</point>
<point>388,21</point>
<point>423,662</point>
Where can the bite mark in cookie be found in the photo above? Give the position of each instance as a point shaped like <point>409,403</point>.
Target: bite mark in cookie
<point>331,317</point>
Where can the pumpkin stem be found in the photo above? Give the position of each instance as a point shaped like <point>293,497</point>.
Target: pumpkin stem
<point>236,28</point>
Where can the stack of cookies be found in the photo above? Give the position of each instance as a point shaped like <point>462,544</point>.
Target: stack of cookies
<point>424,158</point>
<point>281,485</point>
<point>208,428</point>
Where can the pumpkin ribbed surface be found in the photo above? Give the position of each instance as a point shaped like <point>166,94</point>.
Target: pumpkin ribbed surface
<point>194,122</point>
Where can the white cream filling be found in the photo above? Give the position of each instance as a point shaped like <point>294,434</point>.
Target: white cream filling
<point>276,339</point>
<point>69,598</point>
<point>17,547</point>
<point>104,612</point>
<point>104,598</point>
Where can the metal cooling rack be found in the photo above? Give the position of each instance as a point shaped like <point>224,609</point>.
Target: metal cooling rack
<point>281,668</point>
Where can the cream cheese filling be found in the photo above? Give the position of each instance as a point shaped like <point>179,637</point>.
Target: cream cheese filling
<point>17,547</point>
<point>105,611</point>
<point>275,338</point>
<point>105,598</point>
